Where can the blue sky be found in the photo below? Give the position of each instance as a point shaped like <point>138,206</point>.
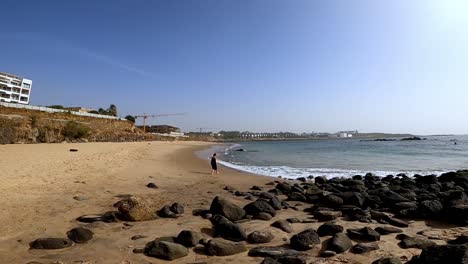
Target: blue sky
<point>258,65</point>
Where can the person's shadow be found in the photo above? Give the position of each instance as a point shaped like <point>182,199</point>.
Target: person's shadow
<point>199,172</point>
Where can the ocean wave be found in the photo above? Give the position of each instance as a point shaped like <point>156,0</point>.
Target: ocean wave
<point>293,173</point>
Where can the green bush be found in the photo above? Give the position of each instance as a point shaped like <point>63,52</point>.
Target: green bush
<point>74,130</point>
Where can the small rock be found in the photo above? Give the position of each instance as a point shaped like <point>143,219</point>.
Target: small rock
<point>139,250</point>
<point>329,229</point>
<point>273,252</point>
<point>221,247</point>
<point>73,150</point>
<point>152,185</point>
<point>263,216</point>
<point>414,242</point>
<point>227,229</point>
<point>258,237</point>
<point>80,198</point>
<point>339,243</point>
<point>166,212</point>
<point>177,208</point>
<point>362,248</point>
<point>366,234</point>
<point>283,225</point>
<point>305,240</point>
<point>259,206</point>
<point>188,238</point>
<point>388,260</point>
<point>327,215</point>
<point>80,235</point>
<point>50,243</point>
<point>165,250</point>
<point>385,230</point>
<point>136,237</point>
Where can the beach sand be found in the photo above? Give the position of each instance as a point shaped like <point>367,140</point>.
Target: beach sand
<point>38,184</point>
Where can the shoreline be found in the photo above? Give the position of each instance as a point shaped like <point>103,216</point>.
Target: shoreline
<point>39,185</point>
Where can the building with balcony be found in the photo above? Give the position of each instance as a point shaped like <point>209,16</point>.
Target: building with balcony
<point>14,89</point>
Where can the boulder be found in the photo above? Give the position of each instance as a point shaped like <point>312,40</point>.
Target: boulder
<point>388,260</point>
<point>263,216</point>
<point>165,250</point>
<point>414,242</point>
<point>227,229</point>
<point>362,248</point>
<point>221,247</point>
<point>297,196</point>
<point>188,238</point>
<point>227,209</point>
<point>385,230</point>
<point>329,229</point>
<point>273,252</point>
<point>430,208</point>
<point>333,201</point>
<point>444,254</point>
<point>136,209</point>
<point>339,243</point>
<point>324,215</point>
<point>259,206</point>
<point>166,212</point>
<point>50,243</point>
<point>365,234</point>
<point>283,225</point>
<point>284,187</point>
<point>80,235</point>
<point>305,240</point>
<point>463,239</point>
<point>177,208</point>
<point>259,237</point>
<point>275,203</point>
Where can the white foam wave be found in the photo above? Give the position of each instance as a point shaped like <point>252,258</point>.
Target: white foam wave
<point>293,173</point>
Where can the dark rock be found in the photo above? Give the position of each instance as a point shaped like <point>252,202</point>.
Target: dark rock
<point>73,150</point>
<point>166,239</point>
<point>227,229</point>
<point>365,234</point>
<point>430,208</point>
<point>165,250</point>
<point>273,252</point>
<point>259,206</point>
<point>362,248</point>
<point>463,239</point>
<point>259,237</point>
<point>166,212</point>
<point>229,189</point>
<point>339,243</point>
<point>152,185</point>
<point>199,212</point>
<point>221,247</point>
<point>296,196</point>
<point>283,225</point>
<point>458,213</point>
<point>275,203</point>
<point>227,209</point>
<point>108,217</point>
<point>323,215</point>
<point>188,238</point>
<point>414,242</point>
<point>327,254</point>
<point>379,216</point>
<point>263,216</point>
<point>320,180</point>
<point>292,260</point>
<point>256,188</point>
<point>50,243</point>
<point>302,179</point>
<point>305,240</point>
<point>333,201</point>
<point>266,195</point>
<point>284,187</point>
<point>80,235</point>
<point>177,208</point>
<point>80,198</point>
<point>329,229</point>
<point>385,230</point>
<point>444,254</point>
<point>270,261</point>
<point>136,237</point>
<point>388,260</point>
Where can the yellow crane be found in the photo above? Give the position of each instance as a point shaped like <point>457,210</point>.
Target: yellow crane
<point>145,116</point>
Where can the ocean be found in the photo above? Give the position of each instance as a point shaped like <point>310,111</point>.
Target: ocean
<point>346,157</point>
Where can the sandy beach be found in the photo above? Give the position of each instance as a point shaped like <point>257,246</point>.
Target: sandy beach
<point>45,187</point>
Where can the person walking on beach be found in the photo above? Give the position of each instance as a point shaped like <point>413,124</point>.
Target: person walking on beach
<point>214,165</point>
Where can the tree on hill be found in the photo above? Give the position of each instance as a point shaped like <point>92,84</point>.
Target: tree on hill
<point>112,110</point>
<point>130,118</point>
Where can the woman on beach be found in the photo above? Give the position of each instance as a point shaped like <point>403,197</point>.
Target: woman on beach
<point>214,165</point>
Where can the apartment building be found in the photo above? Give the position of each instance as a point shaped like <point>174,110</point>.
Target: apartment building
<point>14,89</point>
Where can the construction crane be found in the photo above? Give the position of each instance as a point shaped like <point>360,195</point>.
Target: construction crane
<point>145,116</point>
<point>201,128</point>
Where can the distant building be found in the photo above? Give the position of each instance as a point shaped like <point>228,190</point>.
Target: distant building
<point>162,129</point>
<point>14,89</point>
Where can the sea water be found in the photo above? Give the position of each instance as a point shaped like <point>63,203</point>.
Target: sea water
<point>347,157</point>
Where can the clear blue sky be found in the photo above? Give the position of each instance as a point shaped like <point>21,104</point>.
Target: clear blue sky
<point>259,65</point>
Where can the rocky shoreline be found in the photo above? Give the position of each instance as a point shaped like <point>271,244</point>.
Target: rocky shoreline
<point>393,203</point>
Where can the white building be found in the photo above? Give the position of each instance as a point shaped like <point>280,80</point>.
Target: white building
<point>14,89</point>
